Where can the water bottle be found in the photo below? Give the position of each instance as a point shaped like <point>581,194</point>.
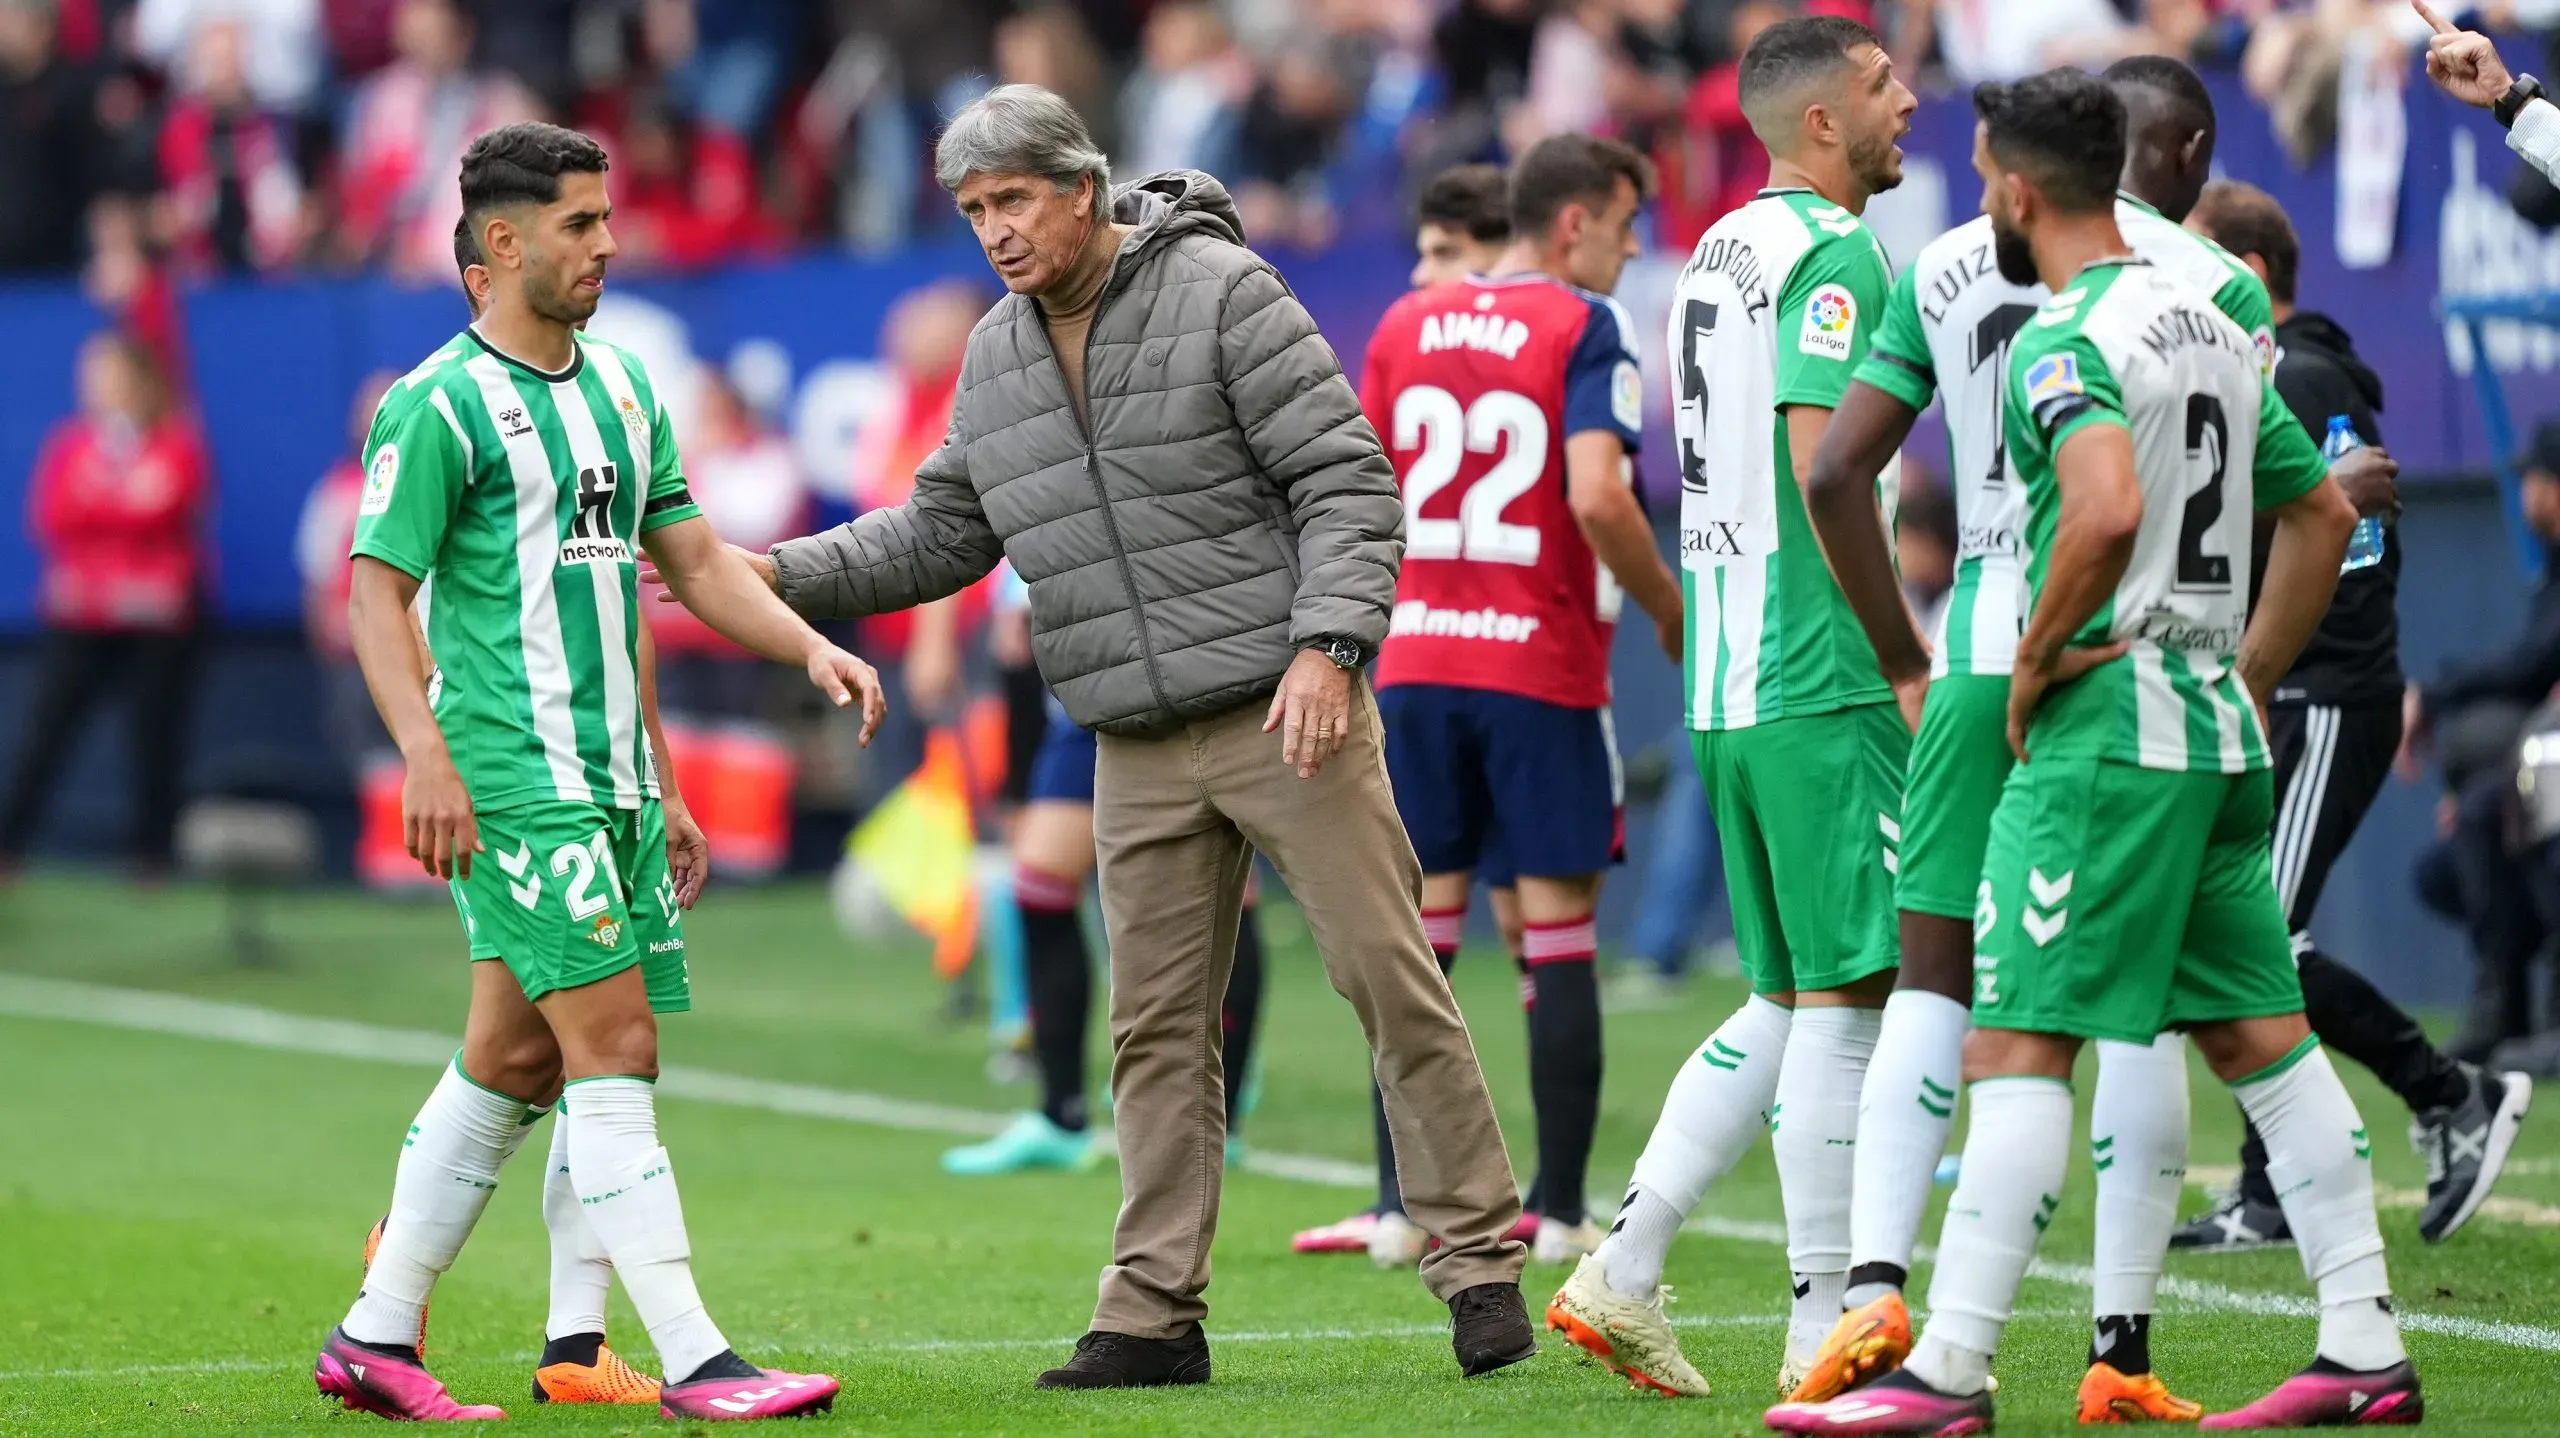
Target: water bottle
<point>2364,547</point>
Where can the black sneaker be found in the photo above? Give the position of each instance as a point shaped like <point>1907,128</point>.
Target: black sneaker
<point>1122,1360</point>
<point>1489,1328</point>
<point>2232,1225</point>
<point>2465,1148</point>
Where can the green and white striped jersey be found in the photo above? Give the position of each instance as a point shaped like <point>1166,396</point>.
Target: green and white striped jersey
<point>1947,328</point>
<point>519,494</point>
<point>2129,345</point>
<point>1774,308</point>
<point>2234,288</point>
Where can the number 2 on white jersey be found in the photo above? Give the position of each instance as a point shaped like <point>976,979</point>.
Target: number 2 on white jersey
<point>1429,419</point>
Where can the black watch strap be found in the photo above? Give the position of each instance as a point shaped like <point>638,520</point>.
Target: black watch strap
<point>1344,651</point>
<point>2523,92</point>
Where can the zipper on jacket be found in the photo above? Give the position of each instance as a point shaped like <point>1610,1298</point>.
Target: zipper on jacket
<point>1102,494</point>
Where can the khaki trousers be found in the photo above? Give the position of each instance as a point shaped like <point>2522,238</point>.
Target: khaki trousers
<point>1176,820</point>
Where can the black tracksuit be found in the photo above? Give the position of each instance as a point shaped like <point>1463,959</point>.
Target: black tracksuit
<point>2335,724</point>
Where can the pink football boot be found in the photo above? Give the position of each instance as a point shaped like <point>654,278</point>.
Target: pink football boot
<point>369,1380</point>
<point>1896,1403</point>
<point>2315,1398</point>
<point>1351,1235</point>
<point>775,1395</point>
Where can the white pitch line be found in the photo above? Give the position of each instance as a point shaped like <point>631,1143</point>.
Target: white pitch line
<point>2196,1293</point>
<point>933,1345</point>
<point>213,1020</point>
<point>2497,1206</point>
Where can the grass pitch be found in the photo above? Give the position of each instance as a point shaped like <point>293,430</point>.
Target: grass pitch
<point>184,1190</point>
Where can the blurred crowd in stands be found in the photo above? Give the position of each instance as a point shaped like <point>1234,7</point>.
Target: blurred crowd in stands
<point>264,135</point>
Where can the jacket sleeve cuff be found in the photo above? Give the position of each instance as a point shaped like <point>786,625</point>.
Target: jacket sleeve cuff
<point>1311,624</point>
<point>2536,136</point>
<point>809,579</point>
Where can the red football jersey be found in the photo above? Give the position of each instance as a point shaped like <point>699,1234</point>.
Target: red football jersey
<point>1473,386</point>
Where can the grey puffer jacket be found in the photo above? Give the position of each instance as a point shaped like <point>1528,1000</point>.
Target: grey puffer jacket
<point>1230,506</point>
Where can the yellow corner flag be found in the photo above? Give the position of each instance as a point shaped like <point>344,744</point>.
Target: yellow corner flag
<point>918,849</point>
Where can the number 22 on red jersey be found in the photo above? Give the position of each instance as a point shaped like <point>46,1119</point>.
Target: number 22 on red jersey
<point>1473,387</point>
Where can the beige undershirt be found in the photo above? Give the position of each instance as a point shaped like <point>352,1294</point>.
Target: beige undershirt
<point>1067,309</point>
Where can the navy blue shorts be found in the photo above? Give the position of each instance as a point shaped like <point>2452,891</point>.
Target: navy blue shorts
<point>1503,785</point>
<point>1062,770</point>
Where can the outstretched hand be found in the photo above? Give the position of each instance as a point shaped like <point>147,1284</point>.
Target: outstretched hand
<point>843,679</point>
<point>2463,63</point>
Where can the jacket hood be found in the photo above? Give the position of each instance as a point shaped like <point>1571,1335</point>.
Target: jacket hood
<point>1176,203</point>
<point>2308,330</point>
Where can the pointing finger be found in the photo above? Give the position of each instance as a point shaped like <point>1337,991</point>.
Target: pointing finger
<point>2434,21</point>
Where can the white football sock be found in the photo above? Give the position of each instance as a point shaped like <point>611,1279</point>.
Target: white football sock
<point>1814,1130</point>
<point>1638,1241</point>
<point>1905,1108</point>
<point>2321,1162</point>
<point>581,1271</point>
<point>1815,1313</point>
<point>628,1189</point>
<point>2016,1151</point>
<point>1717,1106</point>
<point>448,1169</point>
<point>2138,1145</point>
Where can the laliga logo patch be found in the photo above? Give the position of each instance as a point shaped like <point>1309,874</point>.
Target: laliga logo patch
<point>2054,376</point>
<point>1828,319</point>
<point>1626,396</point>
<point>379,478</point>
<point>2265,343</point>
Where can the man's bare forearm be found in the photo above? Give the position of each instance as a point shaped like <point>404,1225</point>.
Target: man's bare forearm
<point>2087,566</point>
<point>1848,523</point>
<point>649,718</point>
<point>2302,575</point>
<point>392,656</point>
<point>1616,530</point>
<point>2093,538</point>
<point>725,593</point>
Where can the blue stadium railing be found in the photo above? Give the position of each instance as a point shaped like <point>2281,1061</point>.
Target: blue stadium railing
<point>2541,307</point>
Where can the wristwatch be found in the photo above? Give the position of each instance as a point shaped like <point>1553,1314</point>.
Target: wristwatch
<point>1345,652</point>
<point>2523,92</point>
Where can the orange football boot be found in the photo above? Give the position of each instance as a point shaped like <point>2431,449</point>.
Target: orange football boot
<point>1868,1342</point>
<point>2107,1396</point>
<point>607,1380</point>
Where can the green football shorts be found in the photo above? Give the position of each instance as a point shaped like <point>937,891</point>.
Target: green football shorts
<point>1809,813</point>
<point>568,894</point>
<point>2119,902</point>
<point>1959,760</point>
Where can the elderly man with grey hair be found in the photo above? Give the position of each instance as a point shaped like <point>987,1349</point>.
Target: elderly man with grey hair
<point>1151,429</point>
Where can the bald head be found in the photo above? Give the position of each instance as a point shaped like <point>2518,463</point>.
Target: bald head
<point>2168,131</point>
